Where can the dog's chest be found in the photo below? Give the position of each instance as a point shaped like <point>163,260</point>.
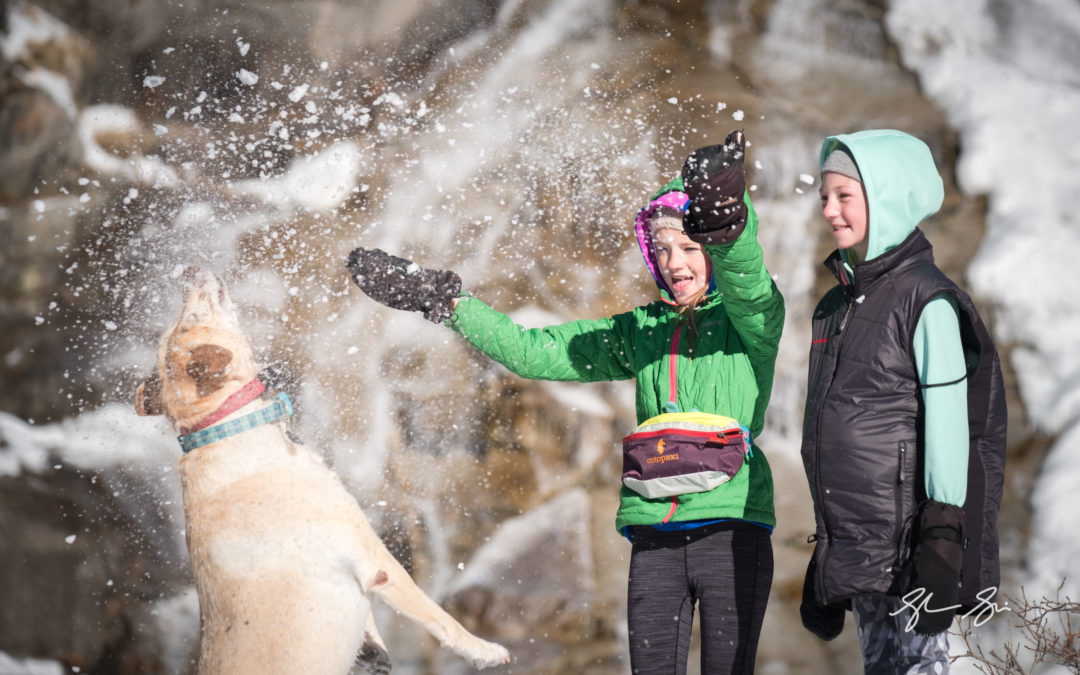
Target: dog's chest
<point>243,516</point>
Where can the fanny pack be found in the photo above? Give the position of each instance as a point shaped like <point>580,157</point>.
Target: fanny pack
<point>678,453</point>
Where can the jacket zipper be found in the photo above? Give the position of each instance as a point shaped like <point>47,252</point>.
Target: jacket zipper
<point>898,503</point>
<point>819,582</point>
<point>673,395</point>
<point>671,511</point>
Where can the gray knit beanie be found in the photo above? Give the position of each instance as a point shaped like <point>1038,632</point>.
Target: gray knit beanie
<point>839,161</point>
<point>666,217</point>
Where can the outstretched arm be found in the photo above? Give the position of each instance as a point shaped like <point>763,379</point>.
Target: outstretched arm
<point>582,351</point>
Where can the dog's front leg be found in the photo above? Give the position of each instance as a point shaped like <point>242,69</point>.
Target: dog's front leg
<point>380,573</point>
<point>398,590</point>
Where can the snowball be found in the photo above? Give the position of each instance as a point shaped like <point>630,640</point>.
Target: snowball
<point>298,93</point>
<point>247,77</point>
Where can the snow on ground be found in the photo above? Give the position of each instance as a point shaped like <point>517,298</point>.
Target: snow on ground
<point>77,442</point>
<point>13,666</point>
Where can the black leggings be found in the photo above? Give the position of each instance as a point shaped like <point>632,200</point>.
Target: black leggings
<point>726,569</point>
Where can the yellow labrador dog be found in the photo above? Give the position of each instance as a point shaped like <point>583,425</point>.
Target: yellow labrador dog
<point>284,560</point>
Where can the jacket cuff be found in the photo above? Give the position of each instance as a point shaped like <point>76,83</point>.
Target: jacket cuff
<point>938,520</point>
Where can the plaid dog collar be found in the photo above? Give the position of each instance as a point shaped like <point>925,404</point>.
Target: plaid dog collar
<point>268,378</point>
<point>282,407</point>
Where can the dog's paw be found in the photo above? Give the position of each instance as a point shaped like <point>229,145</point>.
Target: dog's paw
<point>373,659</point>
<point>487,654</point>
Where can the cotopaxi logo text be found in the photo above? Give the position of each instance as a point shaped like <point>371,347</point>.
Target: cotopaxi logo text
<point>661,457</point>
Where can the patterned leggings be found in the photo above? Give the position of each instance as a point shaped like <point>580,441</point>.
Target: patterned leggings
<point>726,569</point>
<point>888,648</point>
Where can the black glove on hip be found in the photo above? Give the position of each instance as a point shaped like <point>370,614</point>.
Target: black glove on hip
<point>824,621</point>
<point>713,178</point>
<point>402,284</point>
<point>936,562</point>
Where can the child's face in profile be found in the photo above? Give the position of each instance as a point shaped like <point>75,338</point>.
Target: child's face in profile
<point>682,262</point>
<point>843,203</point>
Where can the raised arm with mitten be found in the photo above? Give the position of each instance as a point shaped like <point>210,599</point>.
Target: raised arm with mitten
<point>714,180</point>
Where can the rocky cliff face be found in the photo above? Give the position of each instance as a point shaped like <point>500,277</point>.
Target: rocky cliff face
<point>513,142</point>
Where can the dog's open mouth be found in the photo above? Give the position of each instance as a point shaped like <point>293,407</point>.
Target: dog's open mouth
<point>204,286</point>
<point>203,359</point>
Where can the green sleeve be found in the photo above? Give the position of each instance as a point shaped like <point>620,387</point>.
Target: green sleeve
<point>939,358</point>
<point>581,351</point>
<point>753,302</point>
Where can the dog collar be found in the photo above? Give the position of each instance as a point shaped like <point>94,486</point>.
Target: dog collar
<point>267,378</point>
<point>282,407</point>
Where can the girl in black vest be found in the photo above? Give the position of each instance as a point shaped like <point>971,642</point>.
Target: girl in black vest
<point>885,433</point>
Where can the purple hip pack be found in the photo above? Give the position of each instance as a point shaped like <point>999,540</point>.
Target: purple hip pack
<point>679,453</point>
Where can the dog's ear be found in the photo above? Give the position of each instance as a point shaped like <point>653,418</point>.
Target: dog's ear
<point>148,397</point>
<point>207,367</point>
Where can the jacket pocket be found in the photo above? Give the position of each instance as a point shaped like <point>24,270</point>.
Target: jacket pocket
<point>906,470</point>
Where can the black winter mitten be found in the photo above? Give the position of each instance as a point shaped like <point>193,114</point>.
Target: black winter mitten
<point>713,178</point>
<point>824,621</point>
<point>402,284</point>
<point>936,562</point>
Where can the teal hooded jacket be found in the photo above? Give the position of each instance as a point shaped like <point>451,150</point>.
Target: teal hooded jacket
<point>727,369</point>
<point>903,188</point>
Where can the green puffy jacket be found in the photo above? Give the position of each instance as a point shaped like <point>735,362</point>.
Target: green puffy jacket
<point>727,371</point>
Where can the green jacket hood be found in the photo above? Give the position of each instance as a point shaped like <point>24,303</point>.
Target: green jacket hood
<point>901,181</point>
<point>671,195</point>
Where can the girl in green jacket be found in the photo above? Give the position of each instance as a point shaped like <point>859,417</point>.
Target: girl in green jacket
<point>708,345</point>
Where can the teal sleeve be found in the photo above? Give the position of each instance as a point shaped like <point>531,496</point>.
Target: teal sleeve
<point>939,358</point>
<point>580,351</point>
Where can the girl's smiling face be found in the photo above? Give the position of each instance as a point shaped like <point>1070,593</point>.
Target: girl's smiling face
<point>683,264</point>
<point>843,203</point>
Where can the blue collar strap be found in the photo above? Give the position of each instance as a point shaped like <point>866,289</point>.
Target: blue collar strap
<point>282,407</point>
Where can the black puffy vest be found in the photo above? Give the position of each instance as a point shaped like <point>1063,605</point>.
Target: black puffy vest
<point>862,446</point>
